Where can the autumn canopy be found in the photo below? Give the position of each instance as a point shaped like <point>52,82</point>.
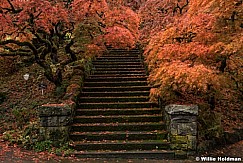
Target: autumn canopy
<point>193,48</point>
<point>39,28</point>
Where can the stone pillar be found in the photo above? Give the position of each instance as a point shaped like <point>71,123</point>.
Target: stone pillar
<point>55,122</point>
<point>181,123</point>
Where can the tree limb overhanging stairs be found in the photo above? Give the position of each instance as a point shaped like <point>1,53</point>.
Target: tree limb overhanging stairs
<point>115,117</point>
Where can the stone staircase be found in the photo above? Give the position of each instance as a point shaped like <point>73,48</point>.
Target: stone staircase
<point>114,117</point>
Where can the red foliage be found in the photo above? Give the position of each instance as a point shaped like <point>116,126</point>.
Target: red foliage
<point>47,22</point>
<point>119,24</point>
<point>30,15</point>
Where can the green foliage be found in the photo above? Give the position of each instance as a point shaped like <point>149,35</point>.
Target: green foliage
<point>88,66</point>
<point>43,146</point>
<point>47,145</point>
<point>60,91</point>
<point>3,96</point>
<point>10,136</point>
<point>23,115</point>
<point>64,150</point>
<point>209,123</point>
<point>26,137</point>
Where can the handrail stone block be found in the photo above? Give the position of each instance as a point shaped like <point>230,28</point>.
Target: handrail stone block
<point>181,122</point>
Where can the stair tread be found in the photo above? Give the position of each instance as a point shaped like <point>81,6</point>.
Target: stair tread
<point>119,72</point>
<point>108,103</point>
<point>122,142</point>
<point>118,66</point>
<point>108,97</point>
<point>119,124</point>
<point>128,154</point>
<point>119,92</point>
<point>125,152</point>
<point>119,132</point>
<point>118,82</point>
<point>115,111</point>
<point>118,116</point>
<point>124,109</point>
<point>115,62</point>
<point>117,75</point>
<point>118,57</point>
<point>125,70</point>
<point>115,68</point>
<point>120,87</point>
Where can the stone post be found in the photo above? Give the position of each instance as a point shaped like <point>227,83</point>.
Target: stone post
<point>181,123</point>
<point>55,122</point>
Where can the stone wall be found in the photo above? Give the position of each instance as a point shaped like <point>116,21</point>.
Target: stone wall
<point>181,123</point>
<point>55,119</point>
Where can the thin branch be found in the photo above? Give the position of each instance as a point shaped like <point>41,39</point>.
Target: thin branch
<point>19,43</point>
<point>15,11</point>
<point>17,53</point>
<point>16,50</point>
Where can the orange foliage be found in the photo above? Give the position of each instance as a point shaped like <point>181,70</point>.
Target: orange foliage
<point>17,25</point>
<point>189,50</point>
<point>156,15</point>
<point>118,37</point>
<point>118,25</point>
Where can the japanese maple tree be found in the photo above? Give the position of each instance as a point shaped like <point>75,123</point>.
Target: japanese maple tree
<point>35,28</point>
<point>193,48</point>
<point>118,25</point>
<point>38,28</point>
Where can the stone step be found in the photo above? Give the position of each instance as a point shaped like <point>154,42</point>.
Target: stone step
<point>114,94</point>
<point>117,119</point>
<point>117,105</point>
<point>95,63</point>
<point>116,89</point>
<point>118,66</point>
<point>154,154</point>
<point>123,52</point>
<point>122,56</point>
<point>114,79</point>
<point>114,117</point>
<point>124,145</point>
<point>118,135</point>
<point>91,127</point>
<point>125,111</point>
<point>118,57</point>
<point>117,60</point>
<point>120,72</point>
<point>110,48</point>
<point>115,84</point>
<point>118,69</point>
<point>116,75</point>
<point>86,99</point>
